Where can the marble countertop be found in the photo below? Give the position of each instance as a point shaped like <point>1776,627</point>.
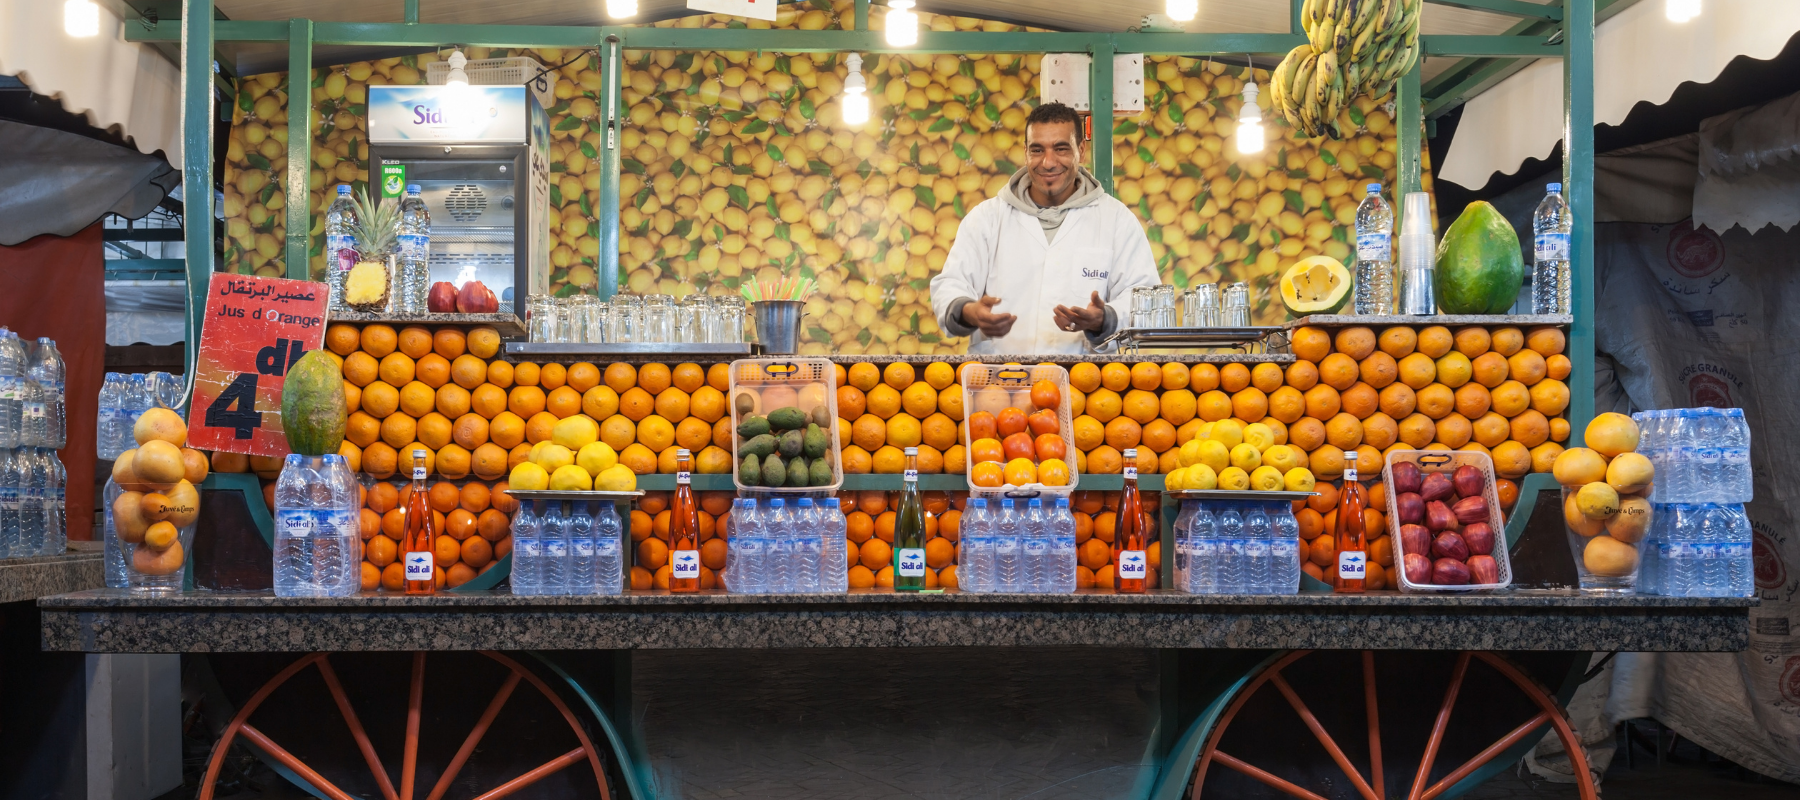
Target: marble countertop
<point>32,578</point>
<point>118,621</point>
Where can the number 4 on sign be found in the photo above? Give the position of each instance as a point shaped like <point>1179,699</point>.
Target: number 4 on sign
<point>245,419</point>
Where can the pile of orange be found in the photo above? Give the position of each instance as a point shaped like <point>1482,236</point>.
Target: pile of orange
<point>473,524</point>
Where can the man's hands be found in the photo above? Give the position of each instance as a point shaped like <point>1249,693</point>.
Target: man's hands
<point>1092,318</point>
<point>982,316</point>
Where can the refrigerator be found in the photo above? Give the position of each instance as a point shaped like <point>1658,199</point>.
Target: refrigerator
<point>480,156</point>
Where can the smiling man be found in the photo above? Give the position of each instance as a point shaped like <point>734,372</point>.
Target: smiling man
<point>1046,266</point>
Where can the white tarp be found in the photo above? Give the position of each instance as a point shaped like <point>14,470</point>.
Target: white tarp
<point>1639,56</point>
<point>1747,168</point>
<point>116,85</point>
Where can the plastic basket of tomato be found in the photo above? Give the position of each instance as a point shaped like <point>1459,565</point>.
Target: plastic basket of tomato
<point>1018,429</point>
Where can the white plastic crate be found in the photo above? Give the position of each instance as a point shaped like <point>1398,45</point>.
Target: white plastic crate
<point>501,72</point>
<point>812,382</point>
<point>1017,381</point>
<point>1445,462</point>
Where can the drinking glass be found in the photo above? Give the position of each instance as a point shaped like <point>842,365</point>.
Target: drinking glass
<point>598,331</point>
<point>1164,296</point>
<point>690,319</point>
<point>732,314</point>
<point>1237,306</point>
<point>627,318</point>
<point>1143,303</point>
<point>581,316</point>
<point>541,317</point>
<point>565,321</point>
<point>1203,306</point>
<point>659,318</point>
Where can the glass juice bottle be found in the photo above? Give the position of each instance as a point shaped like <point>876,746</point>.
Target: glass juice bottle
<point>421,563</point>
<point>1131,539</point>
<point>1353,557</point>
<point>684,530</point>
<point>909,530</point>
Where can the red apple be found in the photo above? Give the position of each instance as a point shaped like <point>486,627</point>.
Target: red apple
<point>1479,536</point>
<point>1470,509</point>
<point>1449,572</point>
<point>1406,477</point>
<point>1410,507</point>
<point>1418,568</point>
<point>1415,539</point>
<point>1468,481</point>
<point>442,299</point>
<point>1438,516</point>
<point>1483,569</point>
<point>1436,487</point>
<point>476,298</point>
<point>1450,545</point>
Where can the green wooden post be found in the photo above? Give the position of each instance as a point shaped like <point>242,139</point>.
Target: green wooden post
<point>1578,187</point>
<point>1294,25</point>
<point>197,115</point>
<point>412,12</point>
<point>1408,108</point>
<point>299,147</point>
<point>862,15</point>
<point>1100,103</point>
<point>612,65</point>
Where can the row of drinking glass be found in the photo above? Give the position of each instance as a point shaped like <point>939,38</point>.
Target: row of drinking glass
<point>1166,306</point>
<point>629,318</point>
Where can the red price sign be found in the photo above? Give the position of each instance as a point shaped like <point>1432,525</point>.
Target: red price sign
<point>255,329</point>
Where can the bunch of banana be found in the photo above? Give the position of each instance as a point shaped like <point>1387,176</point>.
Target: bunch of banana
<point>1353,47</point>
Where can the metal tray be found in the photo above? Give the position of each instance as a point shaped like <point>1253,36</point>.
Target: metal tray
<point>577,349</point>
<point>1236,494</point>
<point>1132,339</point>
<point>548,495</point>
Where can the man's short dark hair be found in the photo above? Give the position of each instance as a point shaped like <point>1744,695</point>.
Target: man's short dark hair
<point>1050,113</point>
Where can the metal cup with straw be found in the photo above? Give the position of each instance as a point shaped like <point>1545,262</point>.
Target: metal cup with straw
<point>777,310</point>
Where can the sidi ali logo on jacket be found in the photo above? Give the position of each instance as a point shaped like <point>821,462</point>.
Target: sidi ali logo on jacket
<point>1099,274</point>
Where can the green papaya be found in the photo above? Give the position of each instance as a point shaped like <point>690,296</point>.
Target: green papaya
<point>774,472</point>
<point>814,441</point>
<point>791,443</point>
<point>313,408</point>
<point>797,472</point>
<point>821,473</point>
<point>759,446</point>
<point>787,419</point>
<point>750,471</point>
<point>1479,265</point>
<point>753,427</point>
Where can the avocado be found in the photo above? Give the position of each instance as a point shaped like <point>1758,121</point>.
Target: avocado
<point>750,472</point>
<point>797,473</point>
<point>814,441</point>
<point>821,416</point>
<point>746,403</point>
<point>774,472</point>
<point>787,419</point>
<point>762,446</point>
<point>791,443</point>
<point>753,427</point>
<point>821,472</point>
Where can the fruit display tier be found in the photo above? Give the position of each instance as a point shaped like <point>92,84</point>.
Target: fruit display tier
<point>42,576</point>
<point>112,621</point>
<point>507,324</point>
<point>1347,320</point>
<point>572,353</point>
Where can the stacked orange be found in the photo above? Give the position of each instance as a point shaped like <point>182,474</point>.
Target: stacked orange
<point>882,411</point>
<point>1008,447</point>
<point>472,522</point>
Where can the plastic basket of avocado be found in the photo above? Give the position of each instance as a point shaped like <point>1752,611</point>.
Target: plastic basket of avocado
<point>1316,285</point>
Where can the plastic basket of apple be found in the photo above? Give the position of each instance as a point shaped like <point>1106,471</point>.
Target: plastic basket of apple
<point>1228,454</point>
<point>1018,431</point>
<point>158,501</point>
<point>1606,504</point>
<point>1446,506</point>
<point>573,459</point>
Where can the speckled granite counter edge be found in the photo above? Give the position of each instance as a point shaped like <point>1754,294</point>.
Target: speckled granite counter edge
<point>32,578</point>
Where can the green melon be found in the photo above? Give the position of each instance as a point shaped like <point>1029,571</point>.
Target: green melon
<point>313,408</point>
<point>1316,285</point>
<point>1479,266</point>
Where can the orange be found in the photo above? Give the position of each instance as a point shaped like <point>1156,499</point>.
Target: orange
<point>851,402</point>
<point>1455,430</point>
<point>919,399</point>
<point>638,458</point>
<point>1115,376</point>
<point>434,430</point>
<point>1020,471</point>
<point>636,403</point>
<point>1286,404</point>
<point>1234,377</point>
<point>361,429</point>
<point>1473,341</point>
<point>379,460</point>
<point>1174,376</point>
<point>452,400</point>
<point>1489,369</point>
<point>398,429</point>
<point>889,460</point>
<point>1203,378</point>
<point>1379,369</point>
<point>984,450</point>
<point>1307,433</point>
<point>655,433</point>
<point>723,433</point>
<point>1398,400</point>
<point>1339,371</point>
<point>1435,341</point>
<point>352,397</point>
<point>620,376</point>
<point>1123,432</point>
<point>903,431</point>
<point>1506,341</point>
<point>1326,462</point>
<point>1547,341</point>
<point>1491,429</point>
<point>342,339</point>
<point>377,340</point>
<point>468,371</point>
<point>899,375</point>
<point>1084,377</point>
<point>414,341</point>
<point>506,430</point>
<point>1309,343</point>
<point>884,401</point>
<point>1360,400</point>
<point>434,370</point>
<point>693,434</point>
<point>950,401</point>
<point>1511,459</point>
<point>856,461</point>
<point>869,432</point>
<point>1266,377</point>
<point>599,402</point>
<point>1344,432</point>
<point>706,403</point>
<point>1302,375</point>
<point>583,376</point>
<point>1250,403</point>
<point>1417,370</point>
<point>396,369</point>
<point>380,550</point>
<point>499,374</point>
<point>489,461</point>
<point>655,377</point>
<point>540,427</point>
<point>956,460</point>
<point>518,455</point>
<point>672,404</point>
<point>1104,404</point>
<point>1213,406</point>
<point>1356,342</point>
<point>1557,366</point>
<point>1527,367</point>
<point>938,431</point>
<point>1104,460</point>
<point>1380,431</point>
<point>875,554</point>
<point>688,377</point>
<point>1146,375</point>
<point>987,474</point>
<point>525,401</point>
<point>1142,406</point>
<point>487,400</point>
<point>1046,394</point>
<point>1088,432</point>
<point>1436,400</point>
<point>1179,406</point>
<point>417,399</point>
<point>449,343</point>
<point>863,376</point>
<point>1530,428</point>
<point>1549,397</point>
<point>1322,402</point>
<point>527,374</point>
<point>553,376</point>
<point>1398,341</point>
<point>1473,400</point>
<point>1510,398</point>
<point>1454,369</point>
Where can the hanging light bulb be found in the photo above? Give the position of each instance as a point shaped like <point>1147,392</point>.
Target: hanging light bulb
<point>1679,11</point>
<point>1182,10</point>
<point>902,24</point>
<point>621,9</point>
<point>457,76</point>
<point>81,18</point>
<point>856,98</point>
<point>1250,129</point>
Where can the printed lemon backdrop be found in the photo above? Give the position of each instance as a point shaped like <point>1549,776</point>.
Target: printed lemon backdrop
<point>736,164</point>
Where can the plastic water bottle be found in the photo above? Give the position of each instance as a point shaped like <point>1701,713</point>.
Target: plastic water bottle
<point>48,372</point>
<point>1737,484</point>
<point>1550,229</point>
<point>528,551</point>
<point>1650,567</point>
<point>9,503</point>
<point>1259,533</point>
<point>1229,555</point>
<point>1184,543</point>
<point>583,575</point>
<point>1374,254</point>
<point>1061,526</point>
<point>12,376</point>
<point>114,551</point>
<point>1738,554</point>
<point>56,514</point>
<point>1203,540</point>
<point>807,547</point>
<point>294,534</point>
<point>778,547</point>
<point>1677,552</point>
<point>976,573</point>
<point>1284,551</point>
<point>1036,545</point>
<point>834,569</point>
<point>555,540</point>
<point>1009,567</point>
<point>743,551</point>
<point>340,244</point>
<point>609,550</point>
<point>106,420</point>
<point>315,527</point>
<point>32,492</point>
<point>414,245</point>
<point>138,400</point>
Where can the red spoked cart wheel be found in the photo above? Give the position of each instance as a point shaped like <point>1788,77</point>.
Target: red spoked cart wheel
<point>1276,739</point>
<point>240,725</point>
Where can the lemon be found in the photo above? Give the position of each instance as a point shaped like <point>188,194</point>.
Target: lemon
<point>1234,479</point>
<point>536,449</point>
<point>1214,454</point>
<point>1597,500</point>
<point>528,477</point>
<point>1281,457</point>
<point>1204,432</point>
<point>554,457</point>
<point>1201,478</point>
<point>575,432</point>
<point>616,478</point>
<point>1190,452</point>
<point>1227,432</point>
<point>1246,457</point>
<point>570,478</point>
<point>1259,435</point>
<point>1267,479</point>
<point>595,457</point>
<point>1298,479</point>
<point>1175,481</point>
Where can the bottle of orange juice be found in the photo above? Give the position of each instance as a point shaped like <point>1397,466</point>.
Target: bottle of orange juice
<point>1132,537</point>
<point>421,563</point>
<point>1353,556</point>
<point>684,529</point>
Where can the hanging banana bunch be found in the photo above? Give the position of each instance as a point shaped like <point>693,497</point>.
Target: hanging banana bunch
<point>1353,47</point>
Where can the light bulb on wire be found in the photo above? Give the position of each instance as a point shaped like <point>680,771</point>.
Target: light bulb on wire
<point>1250,128</point>
<point>81,18</point>
<point>621,9</point>
<point>459,98</point>
<point>457,76</point>
<point>902,24</point>
<point>1182,10</point>
<point>856,98</point>
<point>1679,11</point>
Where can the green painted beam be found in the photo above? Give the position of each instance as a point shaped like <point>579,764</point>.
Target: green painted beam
<point>1515,8</point>
<point>412,12</point>
<point>299,159</point>
<point>1410,165</point>
<point>613,105</point>
<point>196,163</point>
<point>1522,46</point>
<point>1578,187</point>
<point>1294,25</point>
<point>1472,76</point>
<point>862,15</point>
<point>1100,103</point>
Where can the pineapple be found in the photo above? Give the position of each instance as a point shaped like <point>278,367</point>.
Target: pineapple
<point>366,287</point>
